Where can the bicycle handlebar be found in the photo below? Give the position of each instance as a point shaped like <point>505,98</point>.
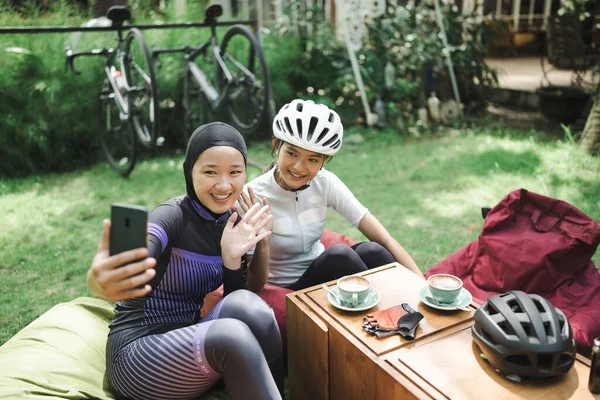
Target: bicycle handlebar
<point>71,56</point>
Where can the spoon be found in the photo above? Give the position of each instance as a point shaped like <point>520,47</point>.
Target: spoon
<point>437,303</point>
<point>336,297</point>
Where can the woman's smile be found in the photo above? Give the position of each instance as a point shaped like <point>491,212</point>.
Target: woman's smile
<point>220,198</point>
<point>296,176</point>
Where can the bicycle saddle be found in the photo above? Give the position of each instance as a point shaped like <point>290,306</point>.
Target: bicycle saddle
<point>212,12</point>
<point>118,14</point>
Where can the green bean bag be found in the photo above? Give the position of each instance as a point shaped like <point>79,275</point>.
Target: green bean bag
<point>61,355</point>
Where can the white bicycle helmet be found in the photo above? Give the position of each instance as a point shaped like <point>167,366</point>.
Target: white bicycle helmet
<point>311,126</point>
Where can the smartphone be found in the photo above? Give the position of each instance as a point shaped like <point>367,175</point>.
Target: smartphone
<point>128,227</point>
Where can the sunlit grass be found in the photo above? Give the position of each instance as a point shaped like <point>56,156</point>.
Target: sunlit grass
<point>427,192</point>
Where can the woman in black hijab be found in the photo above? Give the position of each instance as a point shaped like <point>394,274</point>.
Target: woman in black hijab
<point>158,346</point>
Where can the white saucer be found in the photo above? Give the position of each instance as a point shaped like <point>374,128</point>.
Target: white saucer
<point>464,299</point>
<point>370,301</point>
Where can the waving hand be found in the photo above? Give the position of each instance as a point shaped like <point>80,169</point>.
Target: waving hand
<point>238,239</point>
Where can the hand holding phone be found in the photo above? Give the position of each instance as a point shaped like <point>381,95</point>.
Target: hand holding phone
<point>107,280</point>
<point>128,227</point>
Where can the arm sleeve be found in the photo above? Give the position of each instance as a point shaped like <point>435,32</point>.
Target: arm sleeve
<point>235,280</point>
<point>163,225</point>
<point>342,200</point>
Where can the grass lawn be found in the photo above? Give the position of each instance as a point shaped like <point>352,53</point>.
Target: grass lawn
<point>428,192</point>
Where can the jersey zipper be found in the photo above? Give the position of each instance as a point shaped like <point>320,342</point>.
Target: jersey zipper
<point>301,228</point>
<point>215,241</point>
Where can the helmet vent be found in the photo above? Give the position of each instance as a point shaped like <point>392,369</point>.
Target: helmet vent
<point>514,305</point>
<point>561,324</point>
<point>322,135</point>
<point>311,128</point>
<point>539,305</point>
<point>299,126</point>
<point>519,359</point>
<point>279,125</point>
<point>299,107</point>
<point>331,117</point>
<point>545,362</point>
<point>332,140</point>
<point>547,329</point>
<point>507,328</point>
<point>491,310</point>
<point>527,328</point>
<point>337,144</point>
<point>288,126</point>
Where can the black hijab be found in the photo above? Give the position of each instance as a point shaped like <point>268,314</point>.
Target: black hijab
<point>205,137</point>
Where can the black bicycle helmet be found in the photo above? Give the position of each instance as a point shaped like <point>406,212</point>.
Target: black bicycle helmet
<point>524,335</point>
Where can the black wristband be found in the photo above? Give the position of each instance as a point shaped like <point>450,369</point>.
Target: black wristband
<point>233,279</point>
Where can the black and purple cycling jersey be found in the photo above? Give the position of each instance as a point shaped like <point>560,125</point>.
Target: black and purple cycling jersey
<point>158,346</point>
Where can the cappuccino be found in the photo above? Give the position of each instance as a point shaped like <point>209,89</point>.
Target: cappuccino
<point>353,289</point>
<point>445,282</point>
<point>445,288</point>
<point>354,284</point>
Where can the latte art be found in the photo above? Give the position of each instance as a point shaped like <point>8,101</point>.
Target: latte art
<point>354,284</point>
<point>445,282</point>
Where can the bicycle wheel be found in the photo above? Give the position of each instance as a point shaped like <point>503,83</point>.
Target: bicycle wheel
<point>248,93</point>
<point>195,107</point>
<point>143,88</point>
<point>116,136</point>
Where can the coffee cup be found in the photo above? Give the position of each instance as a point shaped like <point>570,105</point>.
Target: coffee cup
<point>353,289</point>
<point>444,287</point>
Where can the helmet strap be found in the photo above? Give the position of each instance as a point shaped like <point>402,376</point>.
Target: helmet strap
<point>327,158</point>
<point>301,188</point>
<point>278,178</point>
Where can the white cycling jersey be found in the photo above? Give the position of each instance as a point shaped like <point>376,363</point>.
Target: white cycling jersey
<point>299,218</point>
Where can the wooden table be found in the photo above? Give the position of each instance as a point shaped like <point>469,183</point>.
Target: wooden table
<point>330,356</point>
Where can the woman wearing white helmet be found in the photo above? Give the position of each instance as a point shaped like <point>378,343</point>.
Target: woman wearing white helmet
<point>299,191</point>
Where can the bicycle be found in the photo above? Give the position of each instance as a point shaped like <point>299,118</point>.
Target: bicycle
<point>128,103</point>
<point>242,81</point>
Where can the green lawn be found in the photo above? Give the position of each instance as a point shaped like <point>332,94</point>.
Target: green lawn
<point>427,191</point>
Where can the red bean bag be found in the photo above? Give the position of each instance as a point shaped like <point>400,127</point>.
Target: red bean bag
<point>539,245</point>
<point>273,295</point>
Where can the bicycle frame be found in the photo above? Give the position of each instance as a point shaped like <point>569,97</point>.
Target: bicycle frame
<point>214,98</point>
<point>120,100</point>
<point>120,94</point>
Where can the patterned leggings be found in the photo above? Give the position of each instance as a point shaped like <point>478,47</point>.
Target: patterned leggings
<point>238,340</point>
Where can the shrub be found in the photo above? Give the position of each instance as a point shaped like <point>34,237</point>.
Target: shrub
<point>405,38</point>
<point>48,114</point>
<point>44,110</point>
